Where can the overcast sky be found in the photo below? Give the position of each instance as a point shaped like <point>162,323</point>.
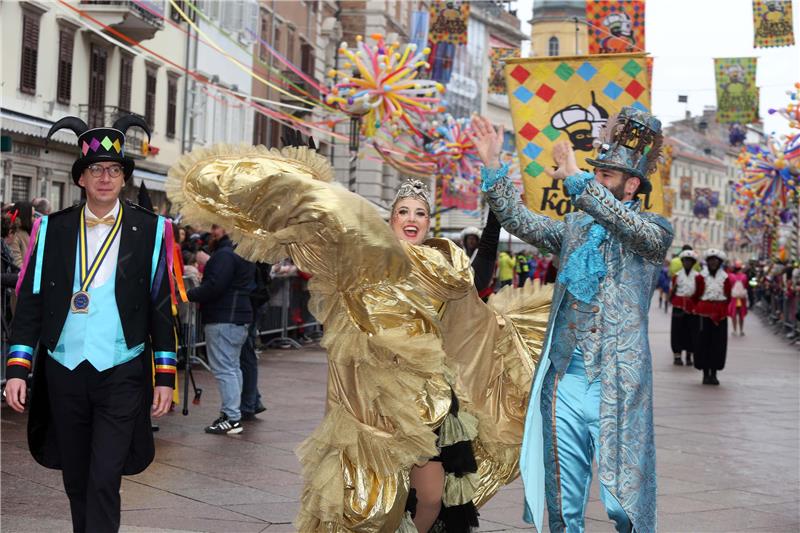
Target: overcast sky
<point>685,36</point>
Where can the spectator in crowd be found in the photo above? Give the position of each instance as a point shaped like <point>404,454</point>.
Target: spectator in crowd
<point>738,306</point>
<point>663,286</point>
<point>521,268</point>
<point>226,311</point>
<point>23,212</point>
<point>41,207</point>
<point>10,271</point>
<point>505,268</point>
<point>251,398</point>
<point>470,237</point>
<point>190,267</point>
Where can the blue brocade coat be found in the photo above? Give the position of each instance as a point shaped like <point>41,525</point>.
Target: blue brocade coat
<point>612,331</point>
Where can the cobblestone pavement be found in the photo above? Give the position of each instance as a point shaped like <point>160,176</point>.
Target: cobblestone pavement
<point>728,456</point>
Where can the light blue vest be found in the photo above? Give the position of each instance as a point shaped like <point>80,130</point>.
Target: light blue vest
<point>95,336</point>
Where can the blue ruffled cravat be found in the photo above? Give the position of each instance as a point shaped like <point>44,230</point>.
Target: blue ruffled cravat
<point>585,267</point>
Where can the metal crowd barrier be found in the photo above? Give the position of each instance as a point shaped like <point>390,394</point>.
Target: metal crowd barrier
<point>780,311</point>
<point>274,318</point>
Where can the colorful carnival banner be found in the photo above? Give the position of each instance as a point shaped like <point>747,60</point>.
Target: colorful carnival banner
<point>448,22</point>
<point>737,95</point>
<point>497,59</point>
<point>615,26</point>
<point>772,23</point>
<point>555,98</point>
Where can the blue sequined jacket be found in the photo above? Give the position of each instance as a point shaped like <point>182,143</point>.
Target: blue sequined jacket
<point>611,330</point>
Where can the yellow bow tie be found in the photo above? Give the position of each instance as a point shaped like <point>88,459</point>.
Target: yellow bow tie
<point>92,222</point>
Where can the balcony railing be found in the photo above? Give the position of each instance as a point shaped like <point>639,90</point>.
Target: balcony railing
<point>100,117</point>
<point>138,20</point>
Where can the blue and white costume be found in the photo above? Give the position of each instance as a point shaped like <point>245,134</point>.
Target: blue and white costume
<point>592,394</point>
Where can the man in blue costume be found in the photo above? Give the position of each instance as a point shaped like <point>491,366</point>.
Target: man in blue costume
<point>95,299</point>
<point>592,395</point>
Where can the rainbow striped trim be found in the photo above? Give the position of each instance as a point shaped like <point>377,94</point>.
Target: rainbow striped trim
<point>166,362</point>
<point>20,355</point>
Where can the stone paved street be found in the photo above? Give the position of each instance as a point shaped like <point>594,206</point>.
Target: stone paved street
<point>728,456</point>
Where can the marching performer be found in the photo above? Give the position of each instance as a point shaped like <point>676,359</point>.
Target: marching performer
<point>592,396</point>
<point>427,384</point>
<point>683,330</point>
<point>95,296</point>
<point>713,296</point>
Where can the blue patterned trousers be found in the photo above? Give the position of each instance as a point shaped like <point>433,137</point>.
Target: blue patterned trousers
<point>570,426</point>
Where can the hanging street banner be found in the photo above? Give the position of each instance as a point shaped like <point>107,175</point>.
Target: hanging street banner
<point>448,22</point>
<point>737,95</point>
<point>497,60</point>
<point>571,98</point>
<point>772,23</point>
<point>615,26</point>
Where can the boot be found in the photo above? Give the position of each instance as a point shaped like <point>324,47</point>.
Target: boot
<point>689,359</point>
<point>676,360</point>
<point>712,378</point>
<point>706,377</point>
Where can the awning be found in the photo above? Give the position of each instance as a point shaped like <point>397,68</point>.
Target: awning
<point>152,180</point>
<point>14,122</point>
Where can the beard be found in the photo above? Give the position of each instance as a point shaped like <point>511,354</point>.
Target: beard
<point>618,191</point>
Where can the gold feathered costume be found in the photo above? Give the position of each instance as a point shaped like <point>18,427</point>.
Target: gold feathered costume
<point>403,327</point>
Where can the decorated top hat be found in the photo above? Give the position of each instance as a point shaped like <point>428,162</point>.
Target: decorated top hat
<point>99,145</point>
<point>631,143</point>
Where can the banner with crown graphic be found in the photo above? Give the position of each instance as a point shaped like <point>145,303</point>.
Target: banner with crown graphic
<point>737,94</point>
<point>571,98</point>
<point>615,26</point>
<point>772,23</point>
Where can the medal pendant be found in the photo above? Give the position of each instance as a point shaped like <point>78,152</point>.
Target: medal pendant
<point>80,302</point>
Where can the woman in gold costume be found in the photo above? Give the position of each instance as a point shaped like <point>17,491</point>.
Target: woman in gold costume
<point>427,385</point>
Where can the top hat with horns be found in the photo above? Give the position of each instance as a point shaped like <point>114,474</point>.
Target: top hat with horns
<point>97,145</point>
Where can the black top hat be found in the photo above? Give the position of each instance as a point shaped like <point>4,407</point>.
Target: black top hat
<point>100,144</point>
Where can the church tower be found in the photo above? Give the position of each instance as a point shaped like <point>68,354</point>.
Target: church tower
<point>558,28</point>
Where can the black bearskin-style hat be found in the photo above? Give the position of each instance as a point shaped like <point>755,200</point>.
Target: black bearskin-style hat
<point>100,144</point>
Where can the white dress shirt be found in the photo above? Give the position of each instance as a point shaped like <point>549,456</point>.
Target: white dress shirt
<point>94,240</point>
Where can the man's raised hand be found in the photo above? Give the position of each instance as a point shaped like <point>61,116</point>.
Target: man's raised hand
<point>564,157</point>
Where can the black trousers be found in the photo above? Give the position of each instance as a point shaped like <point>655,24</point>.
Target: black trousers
<point>94,415</point>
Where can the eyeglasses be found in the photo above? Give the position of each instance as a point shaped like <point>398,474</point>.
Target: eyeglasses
<point>97,171</point>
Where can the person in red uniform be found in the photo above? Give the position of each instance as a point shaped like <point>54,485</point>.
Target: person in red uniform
<point>684,322</point>
<point>713,294</point>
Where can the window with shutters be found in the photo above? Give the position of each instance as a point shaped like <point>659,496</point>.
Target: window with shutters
<point>262,49</point>
<point>150,97</point>
<point>30,52</point>
<point>20,188</point>
<point>172,104</point>
<point>125,81</point>
<point>275,133</point>
<point>66,42</point>
<point>307,58</point>
<point>276,43</point>
<point>260,129</point>
<point>97,85</point>
<point>290,45</point>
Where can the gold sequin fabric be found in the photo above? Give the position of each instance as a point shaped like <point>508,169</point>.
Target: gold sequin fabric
<point>402,324</point>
